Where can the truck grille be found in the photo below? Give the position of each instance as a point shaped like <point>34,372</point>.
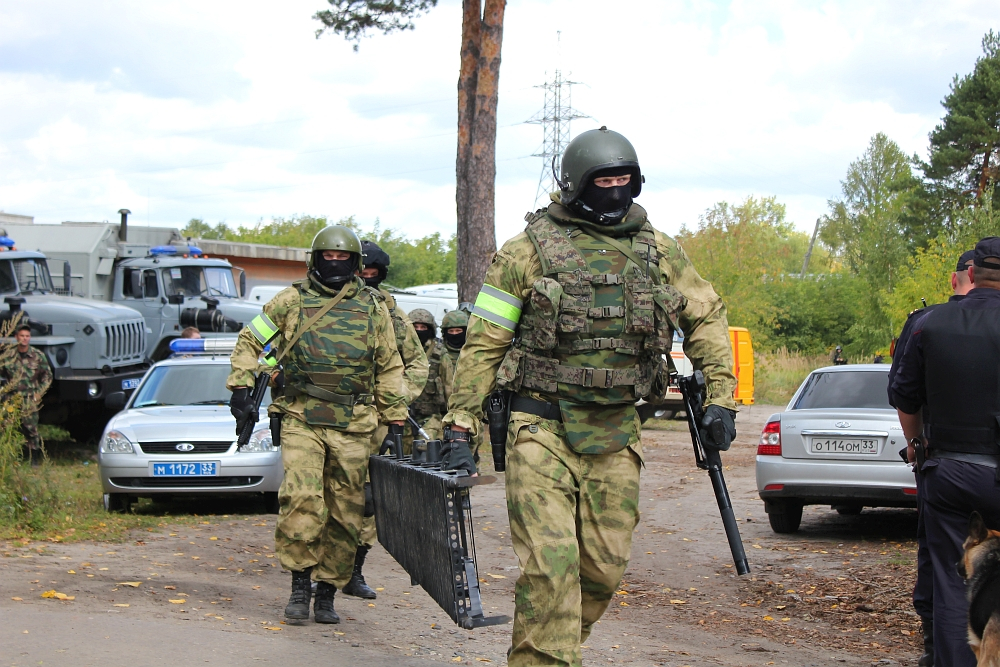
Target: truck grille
<point>125,342</point>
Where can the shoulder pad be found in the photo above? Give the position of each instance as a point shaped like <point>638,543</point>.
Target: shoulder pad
<point>374,293</point>
<point>530,216</point>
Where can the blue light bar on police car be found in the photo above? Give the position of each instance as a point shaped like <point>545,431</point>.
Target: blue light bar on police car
<point>202,345</point>
<point>163,250</point>
<point>6,242</point>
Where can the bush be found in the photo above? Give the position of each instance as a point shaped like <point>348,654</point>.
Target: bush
<point>778,374</point>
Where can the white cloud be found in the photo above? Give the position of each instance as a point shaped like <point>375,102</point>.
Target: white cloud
<point>234,111</point>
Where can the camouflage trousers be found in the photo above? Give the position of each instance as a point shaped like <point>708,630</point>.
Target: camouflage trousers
<point>321,500</point>
<point>571,522</point>
<point>29,429</point>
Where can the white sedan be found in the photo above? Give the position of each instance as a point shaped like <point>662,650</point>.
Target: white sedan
<point>837,443</point>
<point>176,435</point>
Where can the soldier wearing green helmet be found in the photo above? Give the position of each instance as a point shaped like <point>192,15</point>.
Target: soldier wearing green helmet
<point>575,320</point>
<point>342,375</point>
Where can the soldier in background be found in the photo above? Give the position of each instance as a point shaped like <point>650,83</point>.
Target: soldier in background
<point>376,269</point>
<point>342,376</point>
<point>430,406</point>
<point>575,317</point>
<point>29,375</point>
<point>454,325</point>
<point>837,358</point>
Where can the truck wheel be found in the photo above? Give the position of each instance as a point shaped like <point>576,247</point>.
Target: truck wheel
<point>117,503</point>
<point>784,515</point>
<point>271,504</point>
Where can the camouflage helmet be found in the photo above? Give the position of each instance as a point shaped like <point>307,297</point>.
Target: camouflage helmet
<point>455,318</point>
<point>335,237</point>
<point>422,316</point>
<point>593,151</point>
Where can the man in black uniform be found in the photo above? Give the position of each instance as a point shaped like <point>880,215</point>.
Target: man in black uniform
<point>951,365</point>
<point>923,589</point>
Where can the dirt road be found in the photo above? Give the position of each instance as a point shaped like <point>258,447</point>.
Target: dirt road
<point>837,592</point>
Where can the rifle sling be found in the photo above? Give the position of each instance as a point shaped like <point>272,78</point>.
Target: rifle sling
<point>314,319</point>
<point>653,271</point>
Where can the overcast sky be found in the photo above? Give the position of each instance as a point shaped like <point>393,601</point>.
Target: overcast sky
<point>233,111</point>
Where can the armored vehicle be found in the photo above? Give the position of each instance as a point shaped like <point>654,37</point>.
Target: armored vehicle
<point>151,269</point>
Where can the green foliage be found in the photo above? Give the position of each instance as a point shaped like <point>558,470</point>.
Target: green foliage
<point>965,146</point>
<point>353,18</point>
<point>814,314</point>
<point>779,373</point>
<point>430,259</point>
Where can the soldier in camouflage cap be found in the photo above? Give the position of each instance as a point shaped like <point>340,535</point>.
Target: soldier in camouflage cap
<point>431,405</point>
<point>342,376</point>
<point>575,318</point>
<point>29,375</point>
<point>376,269</point>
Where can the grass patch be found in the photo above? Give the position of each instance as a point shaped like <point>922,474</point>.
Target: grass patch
<point>52,433</point>
<point>68,506</point>
<point>778,374</point>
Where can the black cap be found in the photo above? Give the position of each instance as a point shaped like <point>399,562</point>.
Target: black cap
<point>963,261</point>
<point>987,253</point>
<point>374,256</point>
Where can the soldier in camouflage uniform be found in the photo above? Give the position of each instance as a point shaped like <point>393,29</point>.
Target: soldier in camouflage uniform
<point>454,326</point>
<point>376,269</point>
<point>342,375</point>
<point>575,318</point>
<point>430,406</point>
<point>28,373</point>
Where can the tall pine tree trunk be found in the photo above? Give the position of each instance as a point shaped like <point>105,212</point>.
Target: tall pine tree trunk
<point>475,166</point>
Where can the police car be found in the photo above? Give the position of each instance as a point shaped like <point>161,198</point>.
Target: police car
<point>175,434</point>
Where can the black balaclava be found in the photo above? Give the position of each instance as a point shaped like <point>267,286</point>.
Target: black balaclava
<point>376,258</point>
<point>455,340</point>
<point>334,272</point>
<point>425,335</point>
<point>605,206</point>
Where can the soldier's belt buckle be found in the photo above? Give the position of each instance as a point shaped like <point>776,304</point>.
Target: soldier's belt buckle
<point>597,377</point>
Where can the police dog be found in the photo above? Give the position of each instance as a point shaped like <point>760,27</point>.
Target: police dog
<point>980,567</point>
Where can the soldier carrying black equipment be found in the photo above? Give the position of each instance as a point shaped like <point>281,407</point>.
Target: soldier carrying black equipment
<point>574,320</point>
<point>30,374</point>
<point>342,376</point>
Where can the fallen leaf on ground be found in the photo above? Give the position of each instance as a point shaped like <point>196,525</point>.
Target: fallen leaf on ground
<point>678,602</point>
<point>58,596</point>
<point>176,601</point>
<point>213,538</point>
<point>133,584</point>
<point>22,600</point>
<point>70,571</point>
<point>271,627</point>
<point>170,588</point>
<point>495,576</point>
<point>121,605</point>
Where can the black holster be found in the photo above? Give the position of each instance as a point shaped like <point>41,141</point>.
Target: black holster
<point>498,415</point>
<point>276,430</point>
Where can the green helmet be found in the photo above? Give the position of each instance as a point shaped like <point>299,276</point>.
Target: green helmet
<point>593,151</point>
<point>421,316</point>
<point>455,318</point>
<point>335,237</point>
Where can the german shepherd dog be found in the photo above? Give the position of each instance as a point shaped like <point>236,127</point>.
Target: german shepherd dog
<point>980,567</point>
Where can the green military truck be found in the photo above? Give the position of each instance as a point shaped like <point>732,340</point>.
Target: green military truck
<point>153,270</point>
<point>94,347</point>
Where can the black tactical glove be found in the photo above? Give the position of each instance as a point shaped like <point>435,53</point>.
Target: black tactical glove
<point>455,452</point>
<point>389,443</point>
<point>241,406</point>
<point>718,427</point>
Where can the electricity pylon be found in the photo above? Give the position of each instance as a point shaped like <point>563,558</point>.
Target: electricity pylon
<point>555,119</point>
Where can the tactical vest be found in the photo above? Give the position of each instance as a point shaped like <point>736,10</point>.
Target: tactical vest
<point>431,400</point>
<point>398,326</point>
<point>332,366</point>
<point>596,325</point>
<point>962,378</point>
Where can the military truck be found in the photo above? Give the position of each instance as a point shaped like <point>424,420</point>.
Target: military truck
<point>94,347</point>
<point>153,270</point>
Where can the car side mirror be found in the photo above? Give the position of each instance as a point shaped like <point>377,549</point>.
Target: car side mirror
<point>243,284</point>
<point>135,279</point>
<point>176,299</point>
<point>116,401</point>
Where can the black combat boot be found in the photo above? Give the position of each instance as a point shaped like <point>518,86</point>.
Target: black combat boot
<point>927,659</point>
<point>357,586</point>
<point>298,603</point>
<point>323,606</point>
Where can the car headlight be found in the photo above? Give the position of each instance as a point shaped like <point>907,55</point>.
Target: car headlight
<point>260,441</point>
<point>114,442</point>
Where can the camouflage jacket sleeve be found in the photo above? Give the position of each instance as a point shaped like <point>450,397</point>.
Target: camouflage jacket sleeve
<point>43,374</point>
<point>283,310</point>
<point>413,356</point>
<point>515,267</point>
<point>703,321</point>
<point>446,373</point>
<point>388,368</point>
